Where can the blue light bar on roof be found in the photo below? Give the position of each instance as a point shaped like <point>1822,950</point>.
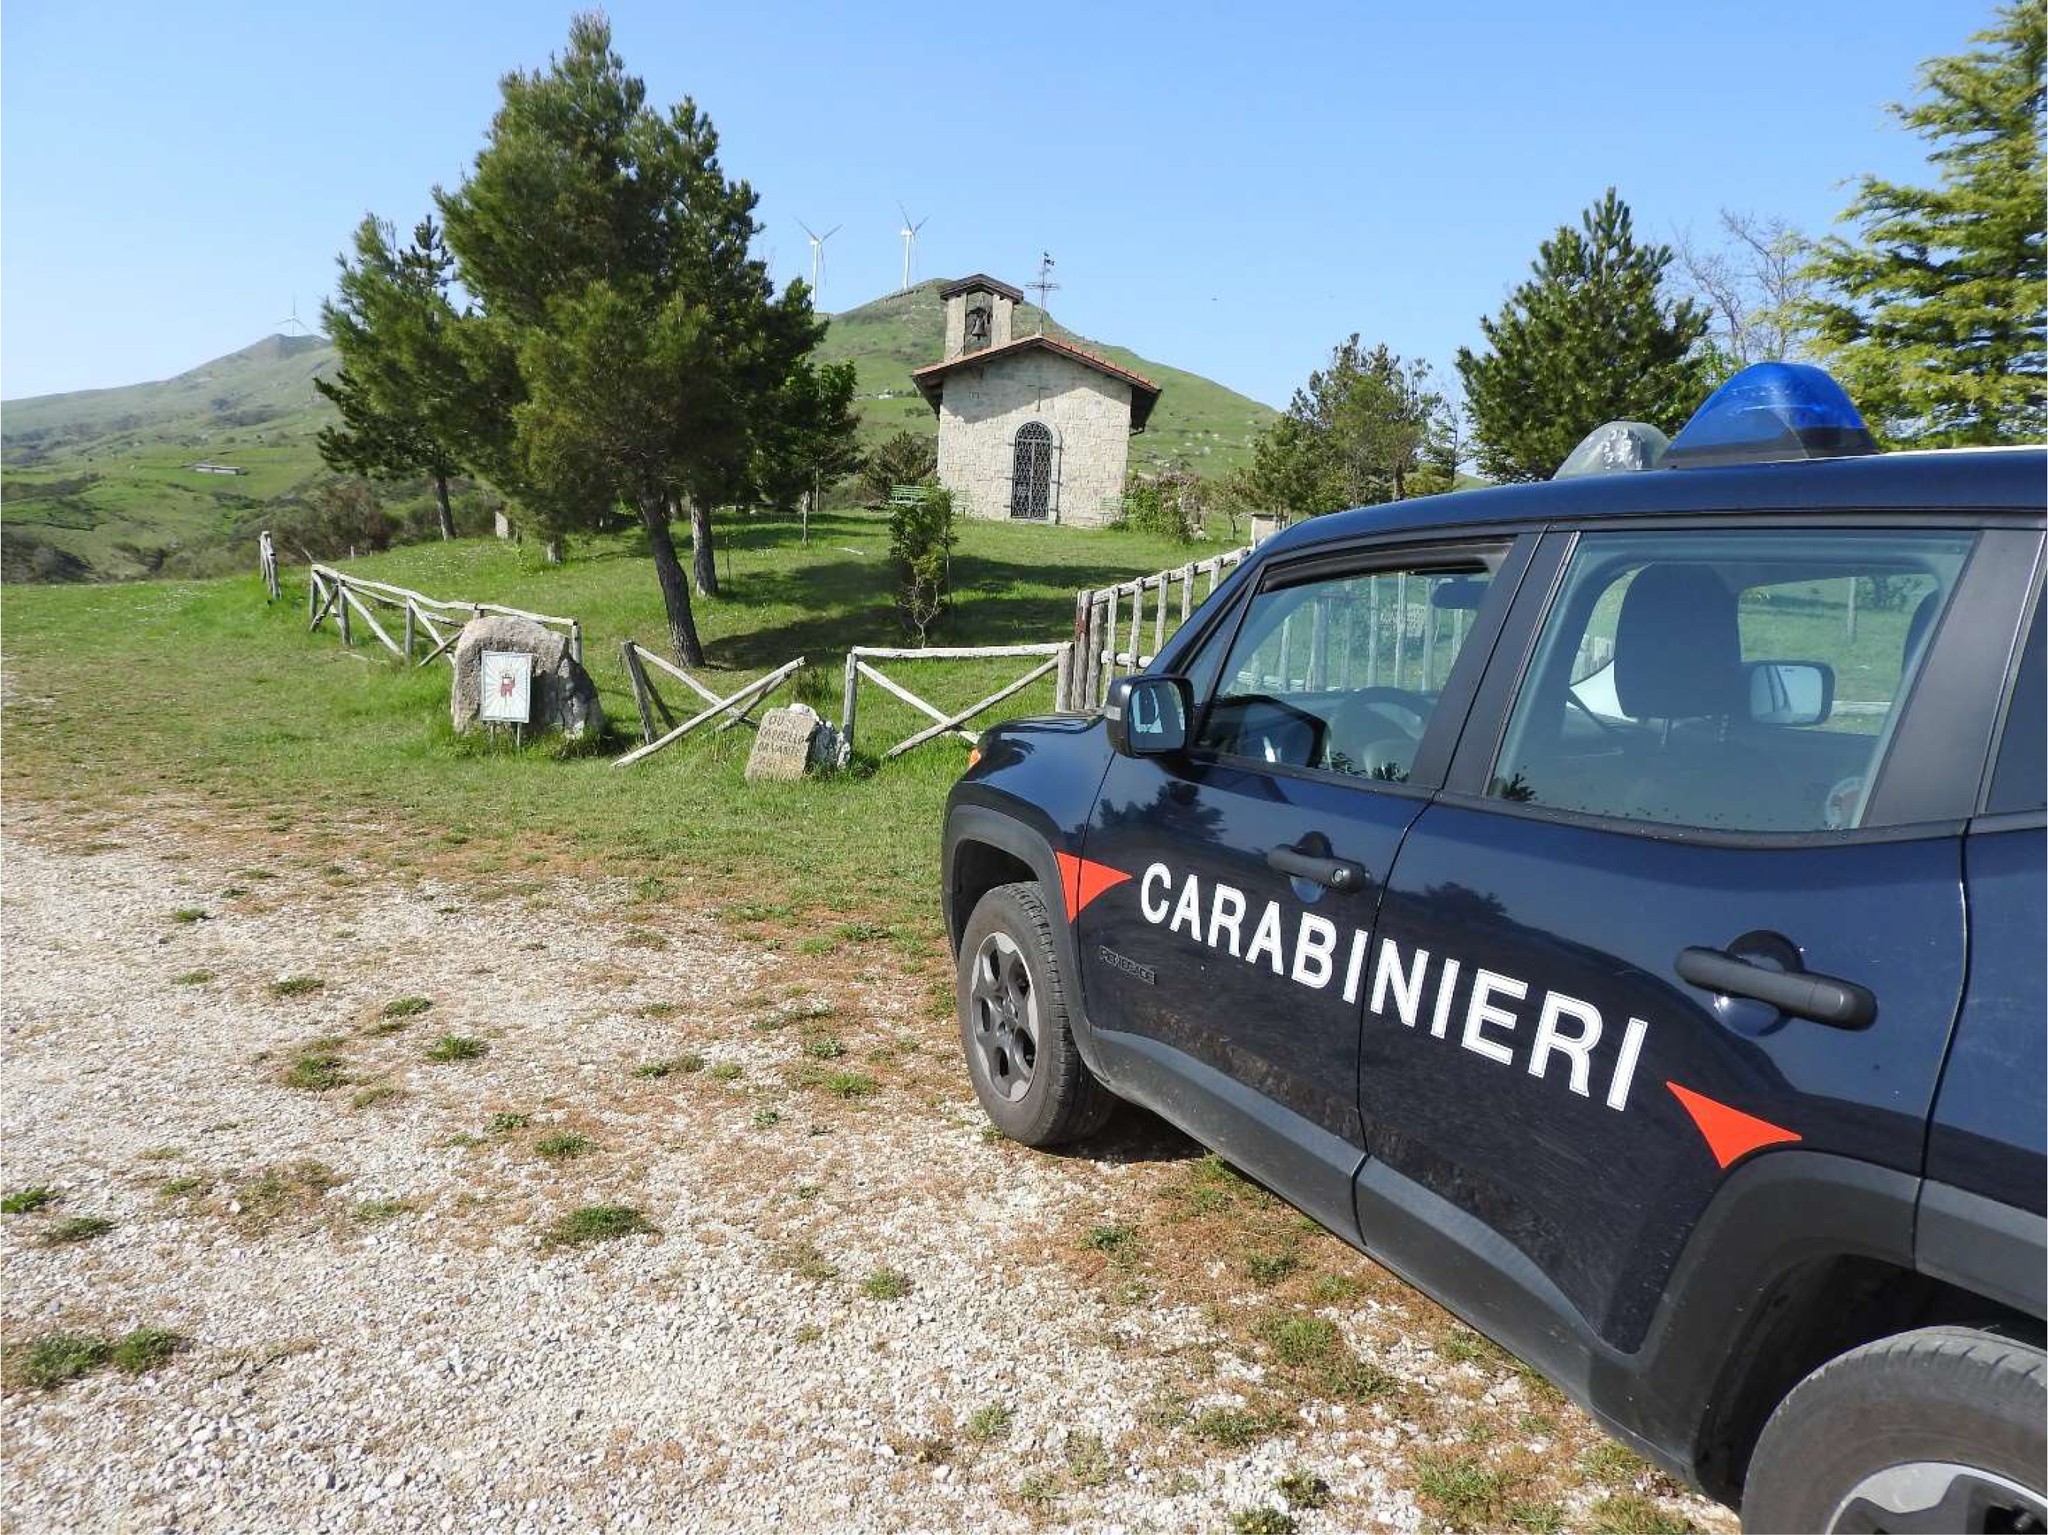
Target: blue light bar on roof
<point>1769,413</point>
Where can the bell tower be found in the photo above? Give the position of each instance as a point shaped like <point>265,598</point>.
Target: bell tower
<point>978,314</point>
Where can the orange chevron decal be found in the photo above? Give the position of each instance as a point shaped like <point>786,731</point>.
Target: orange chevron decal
<point>1731,1134</point>
<point>1082,881</point>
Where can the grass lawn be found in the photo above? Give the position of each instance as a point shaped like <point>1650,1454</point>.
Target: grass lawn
<point>200,688</point>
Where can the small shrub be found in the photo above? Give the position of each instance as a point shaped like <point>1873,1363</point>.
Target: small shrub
<point>824,1047</point>
<point>405,1007</point>
<point>596,1223</point>
<point>564,1145</point>
<point>1300,1340</point>
<point>58,1358</point>
<point>1236,1428</point>
<point>1302,1488</point>
<point>456,1047</point>
<point>1264,1520</point>
<point>192,978</point>
<point>1462,1489</point>
<point>986,1424</point>
<point>805,1261</point>
<point>137,1352</point>
<point>29,1200</point>
<point>316,1071</point>
<point>921,539</point>
<point>80,1228</point>
<point>1118,1243</point>
<point>1271,1268</point>
<point>189,914</point>
<point>886,1283</point>
<point>297,986</point>
<point>504,1122</point>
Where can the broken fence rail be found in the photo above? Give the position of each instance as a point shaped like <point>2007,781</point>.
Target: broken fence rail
<point>1055,657</point>
<point>338,592</point>
<point>735,706</point>
<point>1100,618</point>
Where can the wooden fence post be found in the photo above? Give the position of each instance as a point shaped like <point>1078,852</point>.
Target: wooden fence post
<point>848,698</point>
<point>630,654</point>
<point>408,630</point>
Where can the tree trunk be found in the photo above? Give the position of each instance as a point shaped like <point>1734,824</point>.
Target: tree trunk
<point>675,587</point>
<point>551,551</point>
<point>441,496</point>
<point>703,557</point>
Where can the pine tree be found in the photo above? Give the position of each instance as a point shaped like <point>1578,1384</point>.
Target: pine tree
<point>1933,316</point>
<point>610,255</point>
<point>1589,338</point>
<point>807,438</point>
<point>404,394</point>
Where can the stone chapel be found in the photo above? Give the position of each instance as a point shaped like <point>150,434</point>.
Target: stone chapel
<point>1030,427</point>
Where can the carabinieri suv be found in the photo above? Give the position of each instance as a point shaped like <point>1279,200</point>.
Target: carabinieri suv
<point>1617,906</point>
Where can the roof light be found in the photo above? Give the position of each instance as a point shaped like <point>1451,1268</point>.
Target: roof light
<point>1769,413</point>
<point>1615,448</point>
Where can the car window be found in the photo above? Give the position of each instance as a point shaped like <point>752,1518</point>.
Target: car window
<point>1344,673</point>
<point>1737,681</point>
<point>2019,781</point>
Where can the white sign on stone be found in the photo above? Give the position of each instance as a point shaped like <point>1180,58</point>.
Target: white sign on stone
<point>505,687</point>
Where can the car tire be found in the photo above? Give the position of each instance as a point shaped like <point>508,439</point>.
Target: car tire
<point>1014,1026</point>
<point>1937,1429</point>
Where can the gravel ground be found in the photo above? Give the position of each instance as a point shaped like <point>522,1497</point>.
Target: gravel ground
<point>386,1341</point>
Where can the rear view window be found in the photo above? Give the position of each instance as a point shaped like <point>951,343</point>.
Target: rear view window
<point>1733,681</point>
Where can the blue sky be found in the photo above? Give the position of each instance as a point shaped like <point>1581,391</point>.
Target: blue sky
<point>1230,189</point>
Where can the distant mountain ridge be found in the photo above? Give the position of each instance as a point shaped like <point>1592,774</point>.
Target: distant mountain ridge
<point>99,483</point>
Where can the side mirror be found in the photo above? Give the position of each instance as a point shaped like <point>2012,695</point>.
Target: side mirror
<point>1148,716</point>
<point>1790,692</point>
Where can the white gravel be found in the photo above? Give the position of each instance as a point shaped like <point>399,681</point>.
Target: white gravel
<point>441,1370</point>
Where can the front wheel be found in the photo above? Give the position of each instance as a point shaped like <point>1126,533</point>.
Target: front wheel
<point>1935,1430</point>
<point>1014,1028</point>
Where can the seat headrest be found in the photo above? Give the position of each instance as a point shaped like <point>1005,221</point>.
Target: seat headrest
<point>1677,648</point>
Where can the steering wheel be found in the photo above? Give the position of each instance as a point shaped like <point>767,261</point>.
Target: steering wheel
<point>1357,723</point>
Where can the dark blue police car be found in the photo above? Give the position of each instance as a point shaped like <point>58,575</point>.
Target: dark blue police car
<point>1617,906</point>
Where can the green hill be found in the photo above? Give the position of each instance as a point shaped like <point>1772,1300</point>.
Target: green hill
<point>101,484</point>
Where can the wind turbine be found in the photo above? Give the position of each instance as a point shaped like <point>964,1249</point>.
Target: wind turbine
<point>818,251</point>
<point>909,233</point>
<point>291,323</point>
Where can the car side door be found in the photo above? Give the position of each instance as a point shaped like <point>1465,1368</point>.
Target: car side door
<point>1674,909</point>
<point>1227,890</point>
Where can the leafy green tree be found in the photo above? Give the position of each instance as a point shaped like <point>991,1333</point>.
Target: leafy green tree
<point>604,243</point>
<point>404,392</point>
<point>1589,338</point>
<point>921,539</point>
<point>1933,316</point>
<point>903,459</point>
<point>807,438</point>
<point>1354,435</point>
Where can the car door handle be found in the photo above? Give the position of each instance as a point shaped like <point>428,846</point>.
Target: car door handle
<point>1821,998</point>
<point>1339,874</point>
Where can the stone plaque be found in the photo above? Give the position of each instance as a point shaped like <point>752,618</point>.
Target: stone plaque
<point>783,746</point>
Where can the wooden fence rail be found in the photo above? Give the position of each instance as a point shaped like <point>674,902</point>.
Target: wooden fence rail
<point>734,706</point>
<point>341,594</point>
<point>1101,622</point>
<point>1051,658</point>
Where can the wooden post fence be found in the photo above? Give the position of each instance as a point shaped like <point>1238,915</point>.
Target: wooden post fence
<point>734,706</point>
<point>1103,644</point>
<point>1052,658</point>
<point>437,619</point>
<point>266,561</point>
